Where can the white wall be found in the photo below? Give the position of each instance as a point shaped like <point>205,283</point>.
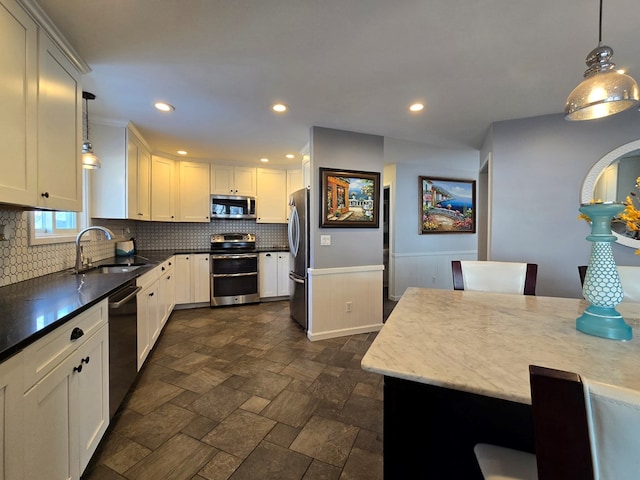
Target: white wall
<point>539,165</point>
<point>423,260</point>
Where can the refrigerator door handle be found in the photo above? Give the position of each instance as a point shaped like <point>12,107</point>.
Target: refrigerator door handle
<point>295,278</point>
<point>294,232</point>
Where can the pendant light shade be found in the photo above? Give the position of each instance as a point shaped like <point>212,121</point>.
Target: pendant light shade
<point>604,91</point>
<point>89,159</point>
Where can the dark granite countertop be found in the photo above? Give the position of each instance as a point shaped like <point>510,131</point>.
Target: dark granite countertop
<point>32,308</point>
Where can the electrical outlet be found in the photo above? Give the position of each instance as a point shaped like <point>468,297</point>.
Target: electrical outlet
<point>325,239</point>
<point>348,306</point>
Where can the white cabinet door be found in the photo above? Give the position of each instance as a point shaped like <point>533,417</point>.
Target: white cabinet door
<point>91,404</point>
<point>268,274</point>
<point>148,320</point>
<point>18,97</point>
<point>166,291</point>
<point>163,188</point>
<point>283,274</point>
<point>51,427</point>
<point>11,418</point>
<point>59,130</point>
<point>138,179</point>
<point>200,275</point>
<point>229,180</point>
<point>193,204</point>
<point>245,181</point>
<point>192,278</point>
<point>182,273</point>
<point>271,202</point>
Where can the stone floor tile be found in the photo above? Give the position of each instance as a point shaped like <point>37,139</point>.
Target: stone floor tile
<point>154,429</point>
<point>282,435</point>
<point>180,458</point>
<point>272,462</point>
<point>199,427</point>
<point>150,396</point>
<point>266,384</point>
<point>219,402</point>
<point>326,440</point>
<point>362,465</point>
<point>220,467</point>
<point>291,408</point>
<point>202,380</point>
<point>255,404</point>
<point>322,471</point>
<point>239,433</point>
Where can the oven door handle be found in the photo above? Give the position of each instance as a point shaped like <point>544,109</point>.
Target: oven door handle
<point>226,275</point>
<point>241,255</point>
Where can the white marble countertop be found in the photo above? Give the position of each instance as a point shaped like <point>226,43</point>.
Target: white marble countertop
<point>484,342</point>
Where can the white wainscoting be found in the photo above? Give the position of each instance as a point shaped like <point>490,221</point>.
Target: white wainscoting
<point>330,292</point>
<point>427,270</point>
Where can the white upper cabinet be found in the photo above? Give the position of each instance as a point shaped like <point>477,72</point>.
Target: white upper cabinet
<point>229,180</point>
<point>121,188</point>
<point>18,97</point>
<point>271,201</point>
<point>163,189</point>
<point>193,192</point>
<point>40,118</point>
<point>59,130</point>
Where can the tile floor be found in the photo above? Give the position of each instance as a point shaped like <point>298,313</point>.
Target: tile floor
<point>240,393</point>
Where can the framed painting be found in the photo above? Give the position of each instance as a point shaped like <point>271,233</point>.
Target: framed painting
<point>349,198</point>
<point>447,205</point>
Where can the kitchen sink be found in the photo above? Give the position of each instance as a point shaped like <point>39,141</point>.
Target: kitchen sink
<point>117,268</point>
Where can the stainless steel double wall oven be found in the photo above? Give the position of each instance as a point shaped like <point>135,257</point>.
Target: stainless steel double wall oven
<point>234,269</point>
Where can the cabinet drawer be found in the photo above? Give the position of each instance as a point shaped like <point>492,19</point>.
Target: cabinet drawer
<point>151,276</point>
<point>45,354</point>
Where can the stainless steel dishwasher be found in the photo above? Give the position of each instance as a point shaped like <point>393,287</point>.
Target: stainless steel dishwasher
<point>123,343</point>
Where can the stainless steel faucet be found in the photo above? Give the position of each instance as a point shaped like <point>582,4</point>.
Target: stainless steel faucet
<point>79,257</point>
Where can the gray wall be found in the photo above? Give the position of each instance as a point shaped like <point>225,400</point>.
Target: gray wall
<point>412,160</point>
<point>539,165</point>
<point>353,151</point>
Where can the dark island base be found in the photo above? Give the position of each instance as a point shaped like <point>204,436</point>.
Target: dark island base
<point>447,425</point>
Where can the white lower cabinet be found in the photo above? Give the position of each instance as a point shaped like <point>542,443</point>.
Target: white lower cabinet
<point>192,278</point>
<point>66,411</point>
<point>166,290</point>
<point>11,418</point>
<point>273,272</point>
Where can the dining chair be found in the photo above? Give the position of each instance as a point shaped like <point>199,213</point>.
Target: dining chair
<point>561,433</point>
<point>492,276</point>
<point>629,279</point>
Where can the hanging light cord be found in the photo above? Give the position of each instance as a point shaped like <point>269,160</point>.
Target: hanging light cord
<point>600,26</point>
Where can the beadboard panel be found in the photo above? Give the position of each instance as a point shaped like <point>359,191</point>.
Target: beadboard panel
<point>426,270</point>
<point>330,289</point>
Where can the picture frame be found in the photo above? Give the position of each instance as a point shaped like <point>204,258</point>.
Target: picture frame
<point>447,205</point>
<point>349,199</point>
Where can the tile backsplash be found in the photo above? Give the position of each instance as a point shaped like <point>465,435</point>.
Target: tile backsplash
<point>19,261</point>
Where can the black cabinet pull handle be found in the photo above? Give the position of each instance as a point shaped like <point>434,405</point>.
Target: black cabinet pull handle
<point>76,333</point>
<point>45,194</point>
<point>151,294</point>
<point>169,277</point>
<point>85,360</point>
<point>267,255</point>
<point>78,368</point>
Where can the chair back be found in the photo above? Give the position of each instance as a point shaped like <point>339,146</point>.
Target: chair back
<point>560,421</point>
<point>614,430</point>
<point>629,279</point>
<point>490,276</point>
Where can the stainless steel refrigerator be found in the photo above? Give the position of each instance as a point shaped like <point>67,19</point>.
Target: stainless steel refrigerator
<point>299,247</point>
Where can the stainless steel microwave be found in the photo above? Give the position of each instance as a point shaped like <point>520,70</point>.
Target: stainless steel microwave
<point>230,206</point>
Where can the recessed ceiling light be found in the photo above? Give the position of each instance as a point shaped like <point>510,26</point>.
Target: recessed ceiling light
<point>279,107</point>
<point>290,155</point>
<point>264,160</point>
<point>416,107</point>
<point>164,107</point>
<point>182,152</point>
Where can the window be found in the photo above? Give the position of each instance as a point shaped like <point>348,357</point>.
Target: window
<point>57,227</point>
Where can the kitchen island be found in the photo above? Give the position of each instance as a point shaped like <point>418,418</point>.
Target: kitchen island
<point>456,370</point>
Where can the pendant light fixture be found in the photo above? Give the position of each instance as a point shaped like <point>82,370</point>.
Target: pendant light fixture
<point>604,91</point>
<point>89,159</point>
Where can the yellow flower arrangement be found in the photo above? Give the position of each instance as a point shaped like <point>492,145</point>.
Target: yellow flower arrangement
<point>631,215</point>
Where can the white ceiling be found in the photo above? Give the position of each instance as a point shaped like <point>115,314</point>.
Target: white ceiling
<point>347,64</point>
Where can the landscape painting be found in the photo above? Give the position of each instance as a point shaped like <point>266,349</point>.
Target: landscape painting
<point>447,205</point>
<point>349,198</point>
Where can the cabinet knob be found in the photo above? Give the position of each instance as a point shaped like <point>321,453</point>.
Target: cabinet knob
<point>140,213</point>
<point>151,294</point>
<point>45,194</point>
<point>163,269</point>
<point>76,333</point>
<point>169,277</point>
<point>85,360</point>
<point>78,368</point>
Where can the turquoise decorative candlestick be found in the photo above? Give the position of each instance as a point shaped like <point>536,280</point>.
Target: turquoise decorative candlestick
<point>602,288</point>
